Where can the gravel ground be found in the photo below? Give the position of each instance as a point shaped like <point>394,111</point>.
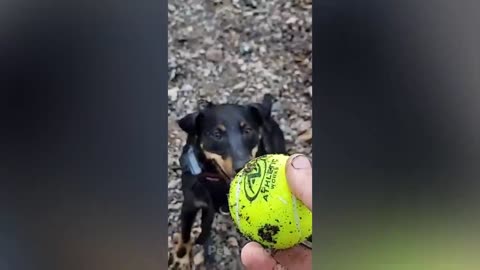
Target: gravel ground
<point>236,51</point>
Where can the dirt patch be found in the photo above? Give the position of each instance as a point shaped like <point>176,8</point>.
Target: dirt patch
<point>268,232</point>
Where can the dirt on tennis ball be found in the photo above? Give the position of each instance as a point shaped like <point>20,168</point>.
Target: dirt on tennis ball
<point>263,207</point>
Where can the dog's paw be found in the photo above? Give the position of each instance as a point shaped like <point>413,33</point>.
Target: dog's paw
<point>181,257</point>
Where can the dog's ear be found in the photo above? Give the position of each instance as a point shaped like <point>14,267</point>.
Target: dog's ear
<point>189,123</point>
<point>258,112</point>
<point>262,111</point>
<point>267,104</point>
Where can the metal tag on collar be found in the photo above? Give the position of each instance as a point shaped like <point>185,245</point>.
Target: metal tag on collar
<point>224,211</point>
<point>192,162</point>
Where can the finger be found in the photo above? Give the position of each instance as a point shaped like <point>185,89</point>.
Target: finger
<point>299,176</point>
<point>297,257</point>
<point>255,256</point>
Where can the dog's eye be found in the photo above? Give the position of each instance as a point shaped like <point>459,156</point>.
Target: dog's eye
<point>217,134</point>
<point>247,130</point>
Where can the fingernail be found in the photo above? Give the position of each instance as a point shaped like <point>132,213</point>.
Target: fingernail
<point>301,162</point>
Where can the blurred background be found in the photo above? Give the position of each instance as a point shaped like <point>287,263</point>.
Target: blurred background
<point>396,134</point>
<point>81,113</point>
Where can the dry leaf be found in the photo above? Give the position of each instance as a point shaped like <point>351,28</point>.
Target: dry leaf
<point>306,136</point>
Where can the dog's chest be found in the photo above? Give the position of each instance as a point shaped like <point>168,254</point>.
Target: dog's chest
<point>213,182</point>
<point>216,187</point>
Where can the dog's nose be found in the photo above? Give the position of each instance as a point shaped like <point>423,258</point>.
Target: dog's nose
<point>239,164</point>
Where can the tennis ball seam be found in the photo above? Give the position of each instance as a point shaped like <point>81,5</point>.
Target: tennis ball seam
<point>295,214</point>
<point>237,203</point>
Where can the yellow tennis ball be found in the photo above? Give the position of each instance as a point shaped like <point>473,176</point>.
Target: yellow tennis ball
<point>263,207</point>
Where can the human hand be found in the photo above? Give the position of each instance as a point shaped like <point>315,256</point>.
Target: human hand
<point>254,256</point>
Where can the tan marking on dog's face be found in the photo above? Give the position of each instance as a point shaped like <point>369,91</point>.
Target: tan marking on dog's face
<point>222,127</point>
<point>225,164</point>
<point>254,152</point>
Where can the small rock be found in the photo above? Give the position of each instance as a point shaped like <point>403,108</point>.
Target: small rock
<point>276,107</point>
<point>206,72</point>
<point>301,125</point>
<point>232,242</point>
<point>203,92</point>
<point>173,93</point>
<point>187,88</point>
<point>175,206</point>
<point>173,184</point>
<point>262,49</point>
<point>173,74</point>
<point>251,3</point>
<point>222,227</point>
<point>291,20</point>
<point>208,41</point>
<point>245,48</point>
<point>306,136</point>
<point>259,86</point>
<point>239,86</point>
<point>277,36</point>
<point>170,242</point>
<point>214,55</point>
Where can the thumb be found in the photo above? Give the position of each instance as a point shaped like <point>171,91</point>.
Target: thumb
<point>299,177</point>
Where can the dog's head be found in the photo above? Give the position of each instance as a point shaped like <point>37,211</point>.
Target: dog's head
<point>227,134</point>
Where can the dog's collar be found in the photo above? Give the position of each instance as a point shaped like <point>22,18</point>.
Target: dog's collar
<point>214,177</point>
<point>218,175</point>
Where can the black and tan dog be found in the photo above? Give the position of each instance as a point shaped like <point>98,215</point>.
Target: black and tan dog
<point>221,140</point>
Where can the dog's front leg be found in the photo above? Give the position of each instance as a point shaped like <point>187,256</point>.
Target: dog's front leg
<point>187,218</point>
<point>205,239</point>
<point>208,214</point>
